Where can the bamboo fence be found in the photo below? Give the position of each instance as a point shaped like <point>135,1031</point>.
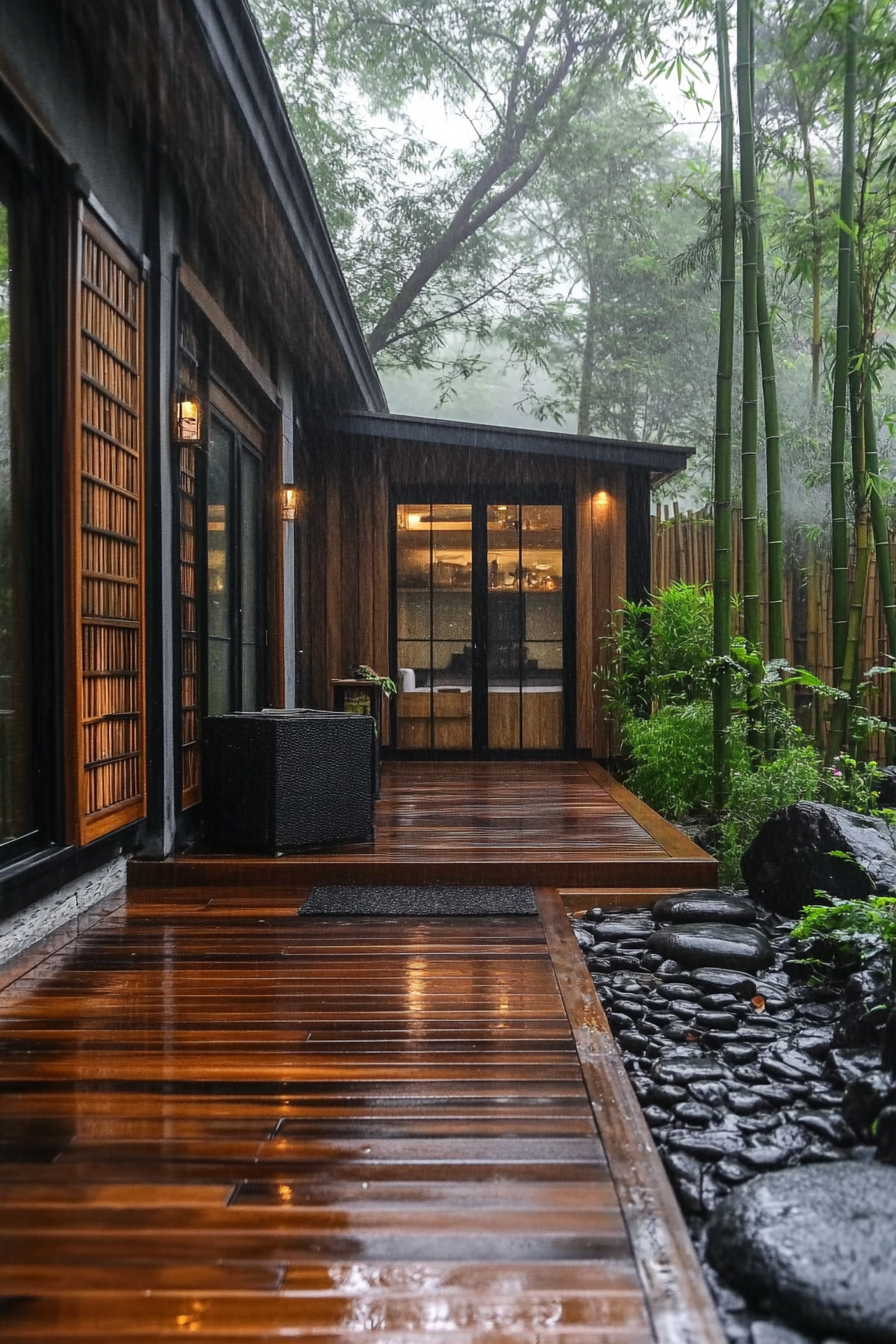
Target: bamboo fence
<point>682,549</point>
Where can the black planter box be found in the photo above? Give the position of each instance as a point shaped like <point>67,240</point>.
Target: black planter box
<point>287,781</point>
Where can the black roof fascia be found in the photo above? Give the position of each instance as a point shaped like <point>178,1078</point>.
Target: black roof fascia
<point>238,51</point>
<point>460,434</point>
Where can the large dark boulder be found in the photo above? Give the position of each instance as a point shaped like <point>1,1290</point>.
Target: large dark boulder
<point>815,1245</point>
<point>792,857</point>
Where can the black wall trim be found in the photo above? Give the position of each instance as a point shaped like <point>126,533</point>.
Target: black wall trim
<point>637,534</point>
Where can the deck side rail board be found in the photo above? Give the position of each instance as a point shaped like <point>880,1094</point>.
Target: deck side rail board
<point>677,1294</point>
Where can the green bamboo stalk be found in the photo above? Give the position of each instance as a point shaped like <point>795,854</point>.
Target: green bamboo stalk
<point>839,525</point>
<point>861,393</point>
<point>772,466</point>
<point>750,394</point>
<point>849,675</point>
<point>879,526</point>
<point>721,698</point>
<point>858,388</point>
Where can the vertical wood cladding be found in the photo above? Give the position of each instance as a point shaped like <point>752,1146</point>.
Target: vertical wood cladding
<point>106,473</point>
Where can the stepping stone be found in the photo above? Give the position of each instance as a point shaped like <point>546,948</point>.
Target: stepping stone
<point>724,945</point>
<point>815,1244</point>
<point>696,907</point>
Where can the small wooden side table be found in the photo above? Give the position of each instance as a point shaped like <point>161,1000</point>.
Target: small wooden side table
<point>353,695</point>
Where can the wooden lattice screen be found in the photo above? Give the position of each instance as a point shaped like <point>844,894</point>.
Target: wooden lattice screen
<point>107,543</point>
<point>191,778</point>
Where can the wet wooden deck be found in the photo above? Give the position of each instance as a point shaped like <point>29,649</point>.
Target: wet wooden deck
<point>224,1121</point>
<point>564,824</point>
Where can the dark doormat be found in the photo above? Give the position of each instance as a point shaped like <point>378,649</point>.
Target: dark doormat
<point>420,902</point>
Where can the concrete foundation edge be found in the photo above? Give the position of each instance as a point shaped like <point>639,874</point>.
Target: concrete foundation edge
<point>29,926</point>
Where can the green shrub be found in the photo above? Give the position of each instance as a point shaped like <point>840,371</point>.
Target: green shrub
<point>851,784</point>
<point>671,754</point>
<point>861,928</point>
<point>790,777</point>
<point>658,652</point>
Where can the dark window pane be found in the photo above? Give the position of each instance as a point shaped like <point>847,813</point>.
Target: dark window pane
<point>220,696</point>
<point>15,705</point>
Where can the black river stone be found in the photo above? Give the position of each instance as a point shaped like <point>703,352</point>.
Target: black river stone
<point>723,945</point>
<point>715,979</point>
<point>709,1021</point>
<point>703,907</point>
<point>613,931</point>
<point>709,1145</point>
<point>888,1046</point>
<point>792,857</point>
<point>885,1132</point>
<point>865,1099</point>
<point>815,1244</point>
<point>680,993</point>
<point>689,1069</point>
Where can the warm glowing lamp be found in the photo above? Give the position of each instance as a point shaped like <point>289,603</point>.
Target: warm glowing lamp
<point>188,421</point>
<point>289,503</point>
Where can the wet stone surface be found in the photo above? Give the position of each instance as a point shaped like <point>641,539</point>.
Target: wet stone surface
<point>745,1073</point>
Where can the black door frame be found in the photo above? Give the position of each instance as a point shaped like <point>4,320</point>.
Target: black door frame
<point>479,497</point>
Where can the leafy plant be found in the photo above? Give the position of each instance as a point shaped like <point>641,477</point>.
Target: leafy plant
<point>659,652</point>
<point>851,784</point>
<point>672,756</point>
<point>859,928</point>
<point>365,673</point>
<point>790,777</point>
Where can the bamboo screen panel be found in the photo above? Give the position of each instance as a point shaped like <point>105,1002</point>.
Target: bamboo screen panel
<point>107,536</point>
<point>187,446</point>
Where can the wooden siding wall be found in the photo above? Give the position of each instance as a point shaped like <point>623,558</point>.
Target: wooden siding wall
<point>105,495</point>
<point>346,526</point>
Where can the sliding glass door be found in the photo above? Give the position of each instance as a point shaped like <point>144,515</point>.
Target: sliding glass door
<point>482,628</point>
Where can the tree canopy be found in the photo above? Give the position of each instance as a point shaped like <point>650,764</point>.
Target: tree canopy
<point>414,219</point>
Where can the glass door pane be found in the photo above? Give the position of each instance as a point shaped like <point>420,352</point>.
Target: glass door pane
<point>525,626</point>
<point>542,654</point>
<point>435,625</point>
<point>505,626</point>
<point>220,578</point>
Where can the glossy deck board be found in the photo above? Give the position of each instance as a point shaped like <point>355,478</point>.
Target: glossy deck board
<point>555,823</point>
<point>244,1125</point>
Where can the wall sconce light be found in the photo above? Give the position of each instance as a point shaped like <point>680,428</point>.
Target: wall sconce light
<point>289,503</point>
<point>188,421</point>
<point>601,499</point>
